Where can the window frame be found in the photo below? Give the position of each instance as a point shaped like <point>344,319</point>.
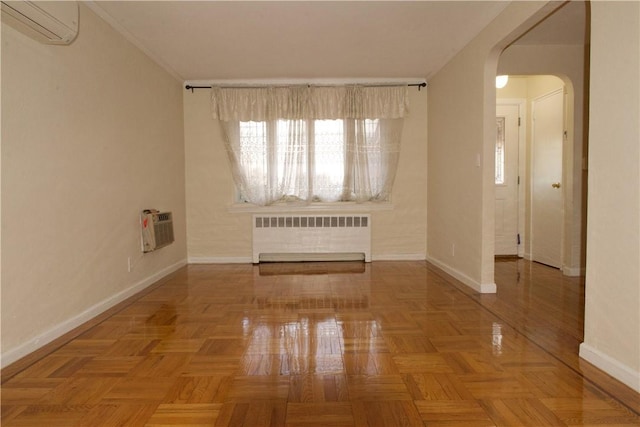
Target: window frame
<point>239,204</point>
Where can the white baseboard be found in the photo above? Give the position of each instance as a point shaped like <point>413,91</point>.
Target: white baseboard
<point>249,260</point>
<point>16,353</point>
<point>220,260</point>
<point>483,288</point>
<point>573,271</point>
<point>399,257</point>
<point>611,366</point>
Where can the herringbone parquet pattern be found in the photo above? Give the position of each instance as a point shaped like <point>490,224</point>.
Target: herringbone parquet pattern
<point>346,344</point>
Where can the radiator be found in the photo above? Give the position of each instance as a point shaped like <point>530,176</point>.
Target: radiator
<point>311,238</point>
<point>157,229</point>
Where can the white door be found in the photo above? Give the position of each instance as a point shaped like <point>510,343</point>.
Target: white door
<point>546,188</point>
<point>506,227</point>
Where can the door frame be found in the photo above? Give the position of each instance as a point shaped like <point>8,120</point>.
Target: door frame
<point>521,103</point>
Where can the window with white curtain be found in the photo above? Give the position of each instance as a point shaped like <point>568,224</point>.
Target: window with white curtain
<point>312,144</point>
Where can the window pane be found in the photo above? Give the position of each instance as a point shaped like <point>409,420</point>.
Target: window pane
<point>372,130</point>
<point>292,154</point>
<point>375,154</point>
<point>253,153</point>
<point>371,160</point>
<point>500,150</point>
<point>328,159</point>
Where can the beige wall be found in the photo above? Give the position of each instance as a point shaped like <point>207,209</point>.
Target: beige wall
<point>91,134</point>
<point>612,309</point>
<point>218,234</point>
<point>461,153</point>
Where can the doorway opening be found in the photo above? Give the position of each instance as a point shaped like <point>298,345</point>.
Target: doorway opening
<point>536,217</point>
<point>548,67</point>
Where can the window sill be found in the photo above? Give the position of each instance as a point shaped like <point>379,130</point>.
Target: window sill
<point>314,207</point>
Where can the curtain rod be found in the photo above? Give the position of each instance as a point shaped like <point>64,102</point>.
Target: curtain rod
<point>418,85</point>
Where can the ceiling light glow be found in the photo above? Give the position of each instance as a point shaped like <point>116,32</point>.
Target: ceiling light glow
<point>501,81</point>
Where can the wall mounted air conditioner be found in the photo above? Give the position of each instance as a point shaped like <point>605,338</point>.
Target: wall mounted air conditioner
<point>52,22</point>
<point>157,229</point>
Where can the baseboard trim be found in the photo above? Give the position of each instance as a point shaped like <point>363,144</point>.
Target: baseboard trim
<point>72,327</point>
<point>573,271</point>
<point>483,288</point>
<point>399,257</point>
<point>611,366</point>
<point>249,260</point>
<point>220,260</point>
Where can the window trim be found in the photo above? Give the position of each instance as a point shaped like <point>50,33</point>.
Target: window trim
<point>238,206</point>
<point>311,207</point>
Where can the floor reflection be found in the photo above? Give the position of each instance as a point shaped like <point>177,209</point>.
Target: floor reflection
<point>298,268</point>
<point>312,286</point>
<point>295,312</point>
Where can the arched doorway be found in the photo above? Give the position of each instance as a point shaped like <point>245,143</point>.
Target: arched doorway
<point>540,157</point>
<point>533,60</point>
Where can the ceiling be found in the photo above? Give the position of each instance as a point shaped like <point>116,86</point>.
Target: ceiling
<point>312,40</point>
<point>566,25</point>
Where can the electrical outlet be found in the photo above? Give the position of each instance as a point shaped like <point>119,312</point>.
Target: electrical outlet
<point>129,265</point>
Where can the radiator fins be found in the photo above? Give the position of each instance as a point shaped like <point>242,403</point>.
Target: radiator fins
<point>290,238</point>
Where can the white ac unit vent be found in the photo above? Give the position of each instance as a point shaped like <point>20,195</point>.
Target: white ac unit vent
<point>157,229</point>
<point>51,22</point>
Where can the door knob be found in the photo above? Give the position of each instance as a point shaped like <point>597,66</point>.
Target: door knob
<point>556,185</point>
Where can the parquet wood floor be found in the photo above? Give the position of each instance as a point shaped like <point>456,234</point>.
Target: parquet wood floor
<point>328,344</point>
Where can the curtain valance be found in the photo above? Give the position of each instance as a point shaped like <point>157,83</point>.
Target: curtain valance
<point>309,102</point>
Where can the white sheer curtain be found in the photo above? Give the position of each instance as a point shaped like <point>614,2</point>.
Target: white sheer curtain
<point>312,144</point>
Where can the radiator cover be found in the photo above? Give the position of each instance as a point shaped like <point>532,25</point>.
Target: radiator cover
<point>290,237</point>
